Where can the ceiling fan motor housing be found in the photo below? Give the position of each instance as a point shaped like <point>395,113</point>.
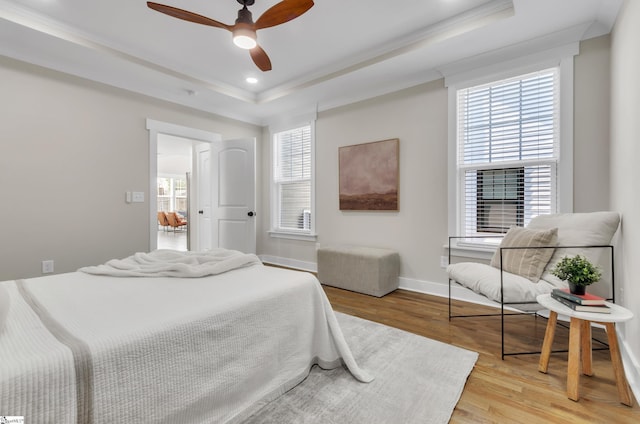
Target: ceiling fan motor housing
<point>244,16</point>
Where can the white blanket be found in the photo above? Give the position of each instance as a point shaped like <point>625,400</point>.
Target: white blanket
<point>172,263</point>
<point>199,350</point>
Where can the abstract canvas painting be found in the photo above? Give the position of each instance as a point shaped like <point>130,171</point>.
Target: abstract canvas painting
<point>369,175</point>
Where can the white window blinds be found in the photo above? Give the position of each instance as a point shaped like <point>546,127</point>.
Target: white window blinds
<point>292,178</point>
<point>508,145</point>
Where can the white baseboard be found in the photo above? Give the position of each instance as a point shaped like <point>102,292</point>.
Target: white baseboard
<point>442,290</point>
<point>631,367</point>
<point>419,286</point>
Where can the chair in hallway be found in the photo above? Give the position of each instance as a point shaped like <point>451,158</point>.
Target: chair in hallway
<point>176,221</point>
<point>163,221</point>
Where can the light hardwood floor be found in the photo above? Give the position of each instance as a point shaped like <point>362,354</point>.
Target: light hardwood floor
<point>509,391</point>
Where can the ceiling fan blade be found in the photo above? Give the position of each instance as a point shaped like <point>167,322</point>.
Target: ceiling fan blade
<point>283,12</point>
<point>260,58</point>
<point>187,16</point>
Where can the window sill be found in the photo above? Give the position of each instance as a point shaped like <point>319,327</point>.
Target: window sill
<point>293,235</point>
<point>471,250</point>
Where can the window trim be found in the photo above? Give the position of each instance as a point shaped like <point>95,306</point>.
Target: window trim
<point>274,231</point>
<point>561,58</point>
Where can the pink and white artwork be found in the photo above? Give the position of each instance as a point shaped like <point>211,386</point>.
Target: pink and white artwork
<point>369,176</point>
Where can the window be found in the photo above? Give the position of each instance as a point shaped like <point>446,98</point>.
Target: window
<point>172,195</point>
<point>507,152</point>
<point>292,186</point>
<point>500,199</point>
<point>180,194</point>
<point>164,194</point>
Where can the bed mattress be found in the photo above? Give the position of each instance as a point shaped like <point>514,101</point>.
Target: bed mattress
<point>101,349</point>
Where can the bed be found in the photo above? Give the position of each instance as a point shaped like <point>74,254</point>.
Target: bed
<point>90,347</point>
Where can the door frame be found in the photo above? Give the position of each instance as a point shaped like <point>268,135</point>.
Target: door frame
<point>158,127</point>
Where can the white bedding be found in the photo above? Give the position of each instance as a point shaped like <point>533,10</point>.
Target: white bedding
<point>172,263</point>
<point>195,350</point>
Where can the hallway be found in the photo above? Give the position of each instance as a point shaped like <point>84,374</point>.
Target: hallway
<point>172,240</point>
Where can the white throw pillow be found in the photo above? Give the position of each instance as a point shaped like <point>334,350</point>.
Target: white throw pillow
<point>528,263</point>
<point>4,306</point>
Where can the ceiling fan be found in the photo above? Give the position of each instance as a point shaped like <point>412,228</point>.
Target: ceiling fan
<point>244,29</point>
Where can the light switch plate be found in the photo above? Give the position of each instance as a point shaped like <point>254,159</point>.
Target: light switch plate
<point>138,196</point>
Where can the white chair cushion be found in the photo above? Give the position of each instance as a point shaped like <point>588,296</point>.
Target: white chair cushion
<point>485,280</point>
<point>579,229</point>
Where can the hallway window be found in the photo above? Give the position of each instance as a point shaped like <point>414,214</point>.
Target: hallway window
<point>172,194</point>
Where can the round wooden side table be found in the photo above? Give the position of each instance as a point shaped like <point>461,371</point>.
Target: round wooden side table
<point>580,343</point>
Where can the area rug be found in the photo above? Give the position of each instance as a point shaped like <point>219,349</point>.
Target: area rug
<point>417,380</point>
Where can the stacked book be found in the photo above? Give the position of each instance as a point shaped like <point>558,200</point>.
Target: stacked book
<point>581,302</point>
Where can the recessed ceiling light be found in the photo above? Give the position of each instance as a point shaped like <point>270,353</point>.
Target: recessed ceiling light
<point>252,80</point>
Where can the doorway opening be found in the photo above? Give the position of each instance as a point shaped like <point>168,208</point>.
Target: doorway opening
<point>174,184</point>
<point>173,191</point>
<point>220,194</point>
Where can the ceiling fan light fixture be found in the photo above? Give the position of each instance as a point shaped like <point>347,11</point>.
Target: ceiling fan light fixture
<point>243,32</point>
<point>244,37</point>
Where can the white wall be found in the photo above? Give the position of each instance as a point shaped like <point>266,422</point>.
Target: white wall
<point>70,150</point>
<point>591,125</point>
<point>417,117</point>
<point>625,172</point>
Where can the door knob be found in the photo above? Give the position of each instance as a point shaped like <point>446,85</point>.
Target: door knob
<point>201,212</point>
<point>251,213</point>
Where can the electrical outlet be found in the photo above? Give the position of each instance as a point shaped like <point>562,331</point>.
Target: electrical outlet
<point>444,261</point>
<point>47,266</point>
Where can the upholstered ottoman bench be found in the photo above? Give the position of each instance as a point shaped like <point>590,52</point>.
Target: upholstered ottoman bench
<point>365,270</point>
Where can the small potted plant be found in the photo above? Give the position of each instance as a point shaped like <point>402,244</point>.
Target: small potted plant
<point>578,272</point>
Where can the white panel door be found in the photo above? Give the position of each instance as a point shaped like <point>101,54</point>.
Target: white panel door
<point>203,212</point>
<point>234,192</point>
